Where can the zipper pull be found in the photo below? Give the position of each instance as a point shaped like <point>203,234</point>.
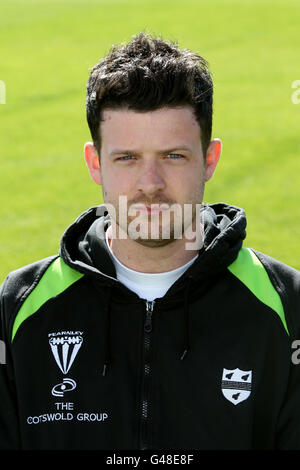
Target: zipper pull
<point>149,311</point>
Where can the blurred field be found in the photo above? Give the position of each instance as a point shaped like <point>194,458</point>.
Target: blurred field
<point>47,49</point>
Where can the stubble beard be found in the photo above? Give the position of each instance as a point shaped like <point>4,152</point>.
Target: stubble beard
<point>164,235</point>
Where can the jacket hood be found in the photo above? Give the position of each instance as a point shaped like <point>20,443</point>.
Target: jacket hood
<point>83,246</point>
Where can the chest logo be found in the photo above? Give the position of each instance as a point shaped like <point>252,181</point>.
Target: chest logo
<point>65,346</point>
<point>236,385</point>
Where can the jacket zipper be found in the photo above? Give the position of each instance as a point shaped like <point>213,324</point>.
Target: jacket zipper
<point>146,375</point>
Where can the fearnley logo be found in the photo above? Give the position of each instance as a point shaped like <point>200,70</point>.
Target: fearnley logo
<point>236,385</point>
<point>65,346</point>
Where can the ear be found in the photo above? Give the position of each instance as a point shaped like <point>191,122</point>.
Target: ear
<point>213,154</point>
<point>92,160</point>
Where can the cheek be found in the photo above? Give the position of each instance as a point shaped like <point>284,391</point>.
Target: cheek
<point>191,186</point>
<point>190,180</point>
<point>115,185</point>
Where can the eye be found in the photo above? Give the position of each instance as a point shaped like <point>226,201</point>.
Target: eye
<point>175,156</point>
<point>125,158</point>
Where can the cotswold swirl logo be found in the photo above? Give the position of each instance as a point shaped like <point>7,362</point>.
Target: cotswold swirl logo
<point>65,346</point>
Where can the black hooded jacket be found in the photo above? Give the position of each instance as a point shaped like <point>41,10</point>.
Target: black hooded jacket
<point>87,364</point>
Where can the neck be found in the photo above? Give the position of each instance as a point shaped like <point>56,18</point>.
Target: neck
<point>146,259</point>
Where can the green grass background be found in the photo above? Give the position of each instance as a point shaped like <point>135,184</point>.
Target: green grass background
<point>46,51</point>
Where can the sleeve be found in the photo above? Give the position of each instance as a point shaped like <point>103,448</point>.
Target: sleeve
<point>9,423</point>
<point>288,426</point>
<point>286,280</point>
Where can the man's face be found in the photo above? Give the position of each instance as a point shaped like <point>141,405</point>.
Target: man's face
<point>152,158</point>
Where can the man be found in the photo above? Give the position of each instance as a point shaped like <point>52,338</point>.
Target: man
<point>154,327</point>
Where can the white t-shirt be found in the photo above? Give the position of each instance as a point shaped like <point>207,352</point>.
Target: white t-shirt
<point>145,285</point>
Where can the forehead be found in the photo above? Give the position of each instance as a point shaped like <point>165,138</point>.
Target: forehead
<point>128,127</point>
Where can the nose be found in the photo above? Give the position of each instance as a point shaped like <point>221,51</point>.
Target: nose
<point>151,179</point>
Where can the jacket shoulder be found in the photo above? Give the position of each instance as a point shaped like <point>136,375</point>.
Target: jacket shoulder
<point>283,276</point>
<point>18,285</point>
<point>273,283</point>
<point>286,281</point>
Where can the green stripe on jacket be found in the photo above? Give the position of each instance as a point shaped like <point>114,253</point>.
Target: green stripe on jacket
<point>57,278</point>
<point>251,272</point>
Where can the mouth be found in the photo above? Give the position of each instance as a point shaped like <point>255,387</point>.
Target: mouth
<point>151,208</point>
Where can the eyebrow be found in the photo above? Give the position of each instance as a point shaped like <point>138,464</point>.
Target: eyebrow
<point>136,152</point>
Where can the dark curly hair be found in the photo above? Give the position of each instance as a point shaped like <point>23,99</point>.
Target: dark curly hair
<point>146,74</point>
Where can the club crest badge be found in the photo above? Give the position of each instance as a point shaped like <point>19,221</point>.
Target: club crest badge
<point>236,385</point>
